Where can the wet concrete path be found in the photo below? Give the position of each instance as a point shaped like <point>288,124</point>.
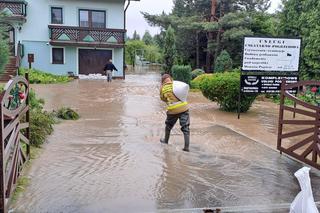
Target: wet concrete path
<point>111,159</point>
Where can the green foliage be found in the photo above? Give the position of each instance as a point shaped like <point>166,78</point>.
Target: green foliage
<point>223,62</point>
<point>169,49</point>
<point>66,113</point>
<point>306,96</point>
<point>34,102</point>
<point>197,34</point>
<point>265,24</point>
<point>41,122</point>
<point>132,46</point>
<point>153,54</point>
<point>224,89</point>
<point>147,38</point>
<point>4,49</point>
<point>195,83</point>
<point>182,73</point>
<point>195,73</point>
<point>301,18</point>
<point>40,77</point>
<point>41,125</point>
<point>22,184</point>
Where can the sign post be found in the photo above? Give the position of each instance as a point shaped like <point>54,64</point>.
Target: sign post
<point>265,62</point>
<point>30,59</point>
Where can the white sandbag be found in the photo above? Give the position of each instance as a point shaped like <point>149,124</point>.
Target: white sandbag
<point>181,90</point>
<point>304,202</point>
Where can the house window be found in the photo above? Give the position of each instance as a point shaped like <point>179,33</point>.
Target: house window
<point>57,55</point>
<point>56,15</point>
<point>92,18</point>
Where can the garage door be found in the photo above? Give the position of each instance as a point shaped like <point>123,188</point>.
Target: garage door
<point>93,61</point>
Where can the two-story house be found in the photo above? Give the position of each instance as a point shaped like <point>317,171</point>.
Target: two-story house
<point>67,36</point>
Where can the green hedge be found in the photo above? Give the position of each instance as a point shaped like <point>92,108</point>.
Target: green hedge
<point>182,73</point>
<point>195,73</point>
<point>224,89</point>
<point>195,83</point>
<point>40,77</point>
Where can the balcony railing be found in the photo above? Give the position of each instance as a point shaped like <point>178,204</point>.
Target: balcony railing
<point>14,8</point>
<point>82,36</point>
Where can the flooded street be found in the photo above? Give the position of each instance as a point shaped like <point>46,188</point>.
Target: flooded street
<point>111,159</point>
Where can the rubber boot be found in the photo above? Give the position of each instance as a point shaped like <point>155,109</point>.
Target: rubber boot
<point>165,140</point>
<point>186,143</point>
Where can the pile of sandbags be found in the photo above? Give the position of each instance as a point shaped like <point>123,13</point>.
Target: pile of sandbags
<point>93,77</point>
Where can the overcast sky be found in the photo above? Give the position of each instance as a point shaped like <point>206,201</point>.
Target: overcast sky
<point>135,20</point>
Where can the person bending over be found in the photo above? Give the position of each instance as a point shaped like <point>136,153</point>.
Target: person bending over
<point>176,110</point>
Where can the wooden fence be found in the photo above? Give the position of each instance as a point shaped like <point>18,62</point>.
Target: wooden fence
<point>299,123</point>
<point>15,134</point>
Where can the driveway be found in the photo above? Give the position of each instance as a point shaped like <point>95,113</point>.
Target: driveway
<point>111,159</point>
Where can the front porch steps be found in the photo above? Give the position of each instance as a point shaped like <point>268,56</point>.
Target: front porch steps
<point>10,70</point>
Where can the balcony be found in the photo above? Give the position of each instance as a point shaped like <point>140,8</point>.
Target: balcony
<point>14,10</point>
<point>86,37</point>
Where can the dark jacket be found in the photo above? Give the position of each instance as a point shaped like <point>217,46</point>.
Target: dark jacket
<point>109,66</point>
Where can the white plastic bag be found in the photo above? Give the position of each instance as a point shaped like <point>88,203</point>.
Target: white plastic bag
<point>181,90</point>
<point>304,202</point>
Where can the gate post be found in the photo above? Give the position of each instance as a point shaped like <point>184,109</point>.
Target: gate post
<point>2,170</point>
<point>281,109</point>
<point>28,114</point>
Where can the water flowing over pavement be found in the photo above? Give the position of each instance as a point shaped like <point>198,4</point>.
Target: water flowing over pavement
<point>111,159</point>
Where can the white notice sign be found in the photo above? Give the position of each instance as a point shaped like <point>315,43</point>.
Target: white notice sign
<point>271,54</point>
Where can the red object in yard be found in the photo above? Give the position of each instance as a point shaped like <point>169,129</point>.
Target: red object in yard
<point>314,89</point>
<point>21,96</point>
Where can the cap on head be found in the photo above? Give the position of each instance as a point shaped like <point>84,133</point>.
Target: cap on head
<point>165,76</point>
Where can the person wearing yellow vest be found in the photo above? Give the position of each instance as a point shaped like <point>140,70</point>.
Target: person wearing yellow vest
<point>176,109</point>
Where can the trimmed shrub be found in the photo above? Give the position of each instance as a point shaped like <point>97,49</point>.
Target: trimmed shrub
<point>224,89</point>
<point>195,83</point>
<point>66,113</point>
<point>223,62</point>
<point>195,73</point>
<point>40,77</point>
<point>182,73</point>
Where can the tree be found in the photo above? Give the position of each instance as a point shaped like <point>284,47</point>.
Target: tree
<point>135,36</point>
<point>153,54</point>
<point>169,50</point>
<point>301,18</point>
<point>159,39</point>
<point>223,62</point>
<point>4,48</point>
<point>132,47</point>
<point>147,38</point>
<point>198,32</point>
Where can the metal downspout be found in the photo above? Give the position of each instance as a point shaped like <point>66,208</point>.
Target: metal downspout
<point>124,38</point>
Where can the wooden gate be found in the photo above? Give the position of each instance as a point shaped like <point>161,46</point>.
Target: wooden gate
<point>15,132</point>
<point>299,122</point>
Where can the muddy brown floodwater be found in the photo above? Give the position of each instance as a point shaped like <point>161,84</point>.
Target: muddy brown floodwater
<point>111,159</point>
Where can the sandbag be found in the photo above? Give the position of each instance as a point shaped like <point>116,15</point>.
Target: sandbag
<point>304,202</point>
<point>181,90</point>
